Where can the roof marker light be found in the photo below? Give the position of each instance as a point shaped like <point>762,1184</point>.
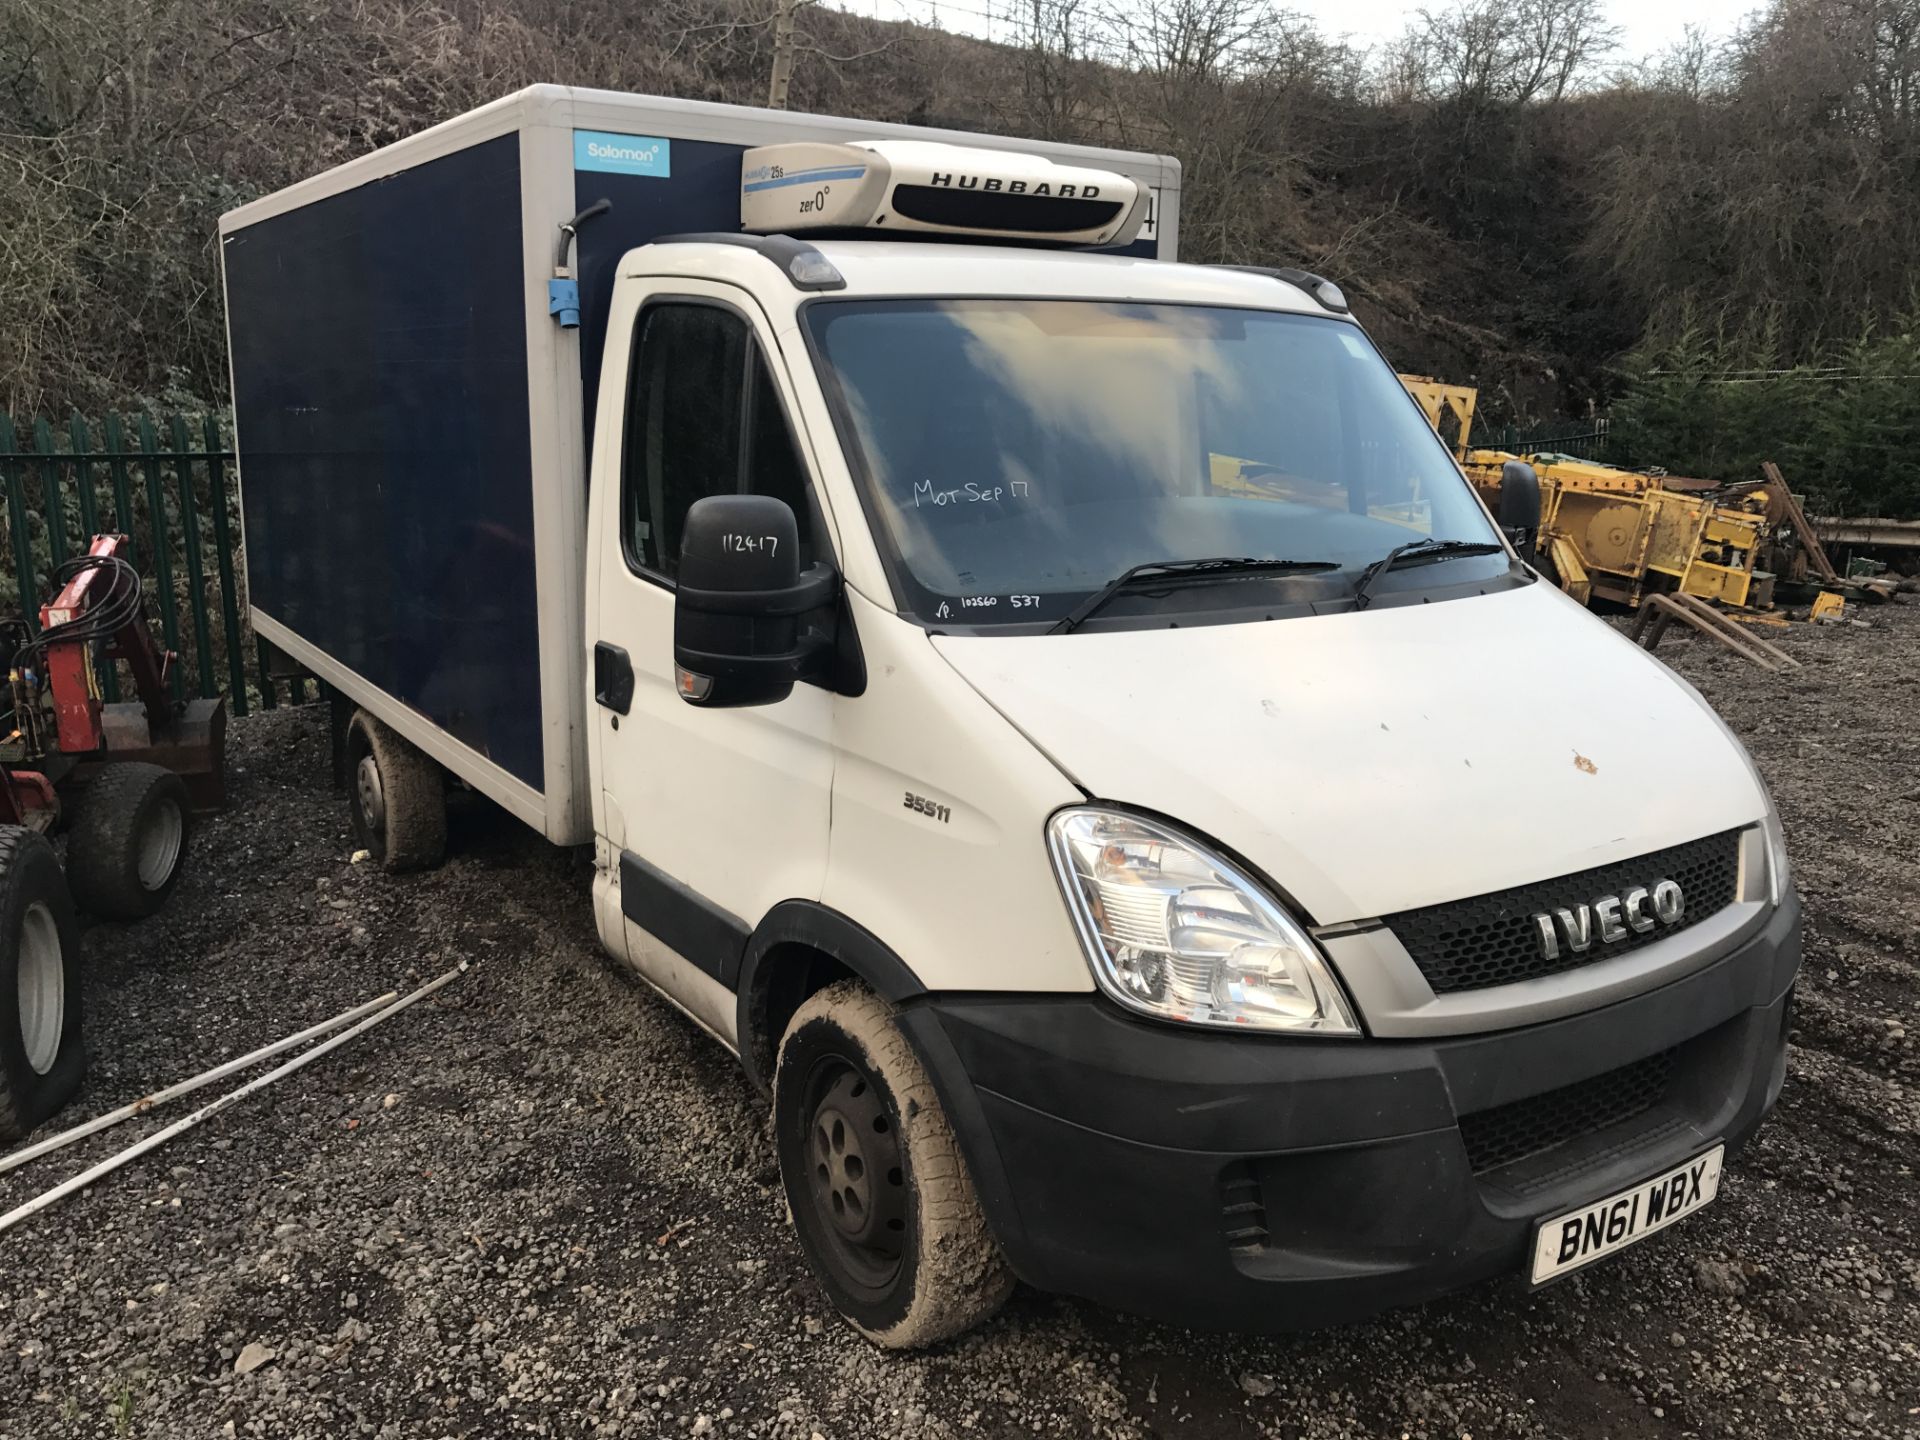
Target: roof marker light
<point>805,266</point>
<point>1331,296</point>
<point>813,271</point>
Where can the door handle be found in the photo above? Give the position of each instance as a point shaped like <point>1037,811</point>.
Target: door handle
<point>612,678</point>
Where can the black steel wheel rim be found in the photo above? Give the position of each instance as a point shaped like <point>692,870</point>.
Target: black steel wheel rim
<point>855,1176</point>
<point>368,799</point>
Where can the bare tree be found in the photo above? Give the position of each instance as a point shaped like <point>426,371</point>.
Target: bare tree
<point>1785,181</point>
<point>1558,44</point>
<point>1059,86</point>
<point>1688,68</point>
<point>1485,52</point>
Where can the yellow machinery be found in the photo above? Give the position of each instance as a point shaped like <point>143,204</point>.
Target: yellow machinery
<point>1612,533</point>
<point>1828,608</point>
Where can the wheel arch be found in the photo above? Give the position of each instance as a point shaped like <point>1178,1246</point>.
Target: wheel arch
<point>802,946</point>
<point>799,947</point>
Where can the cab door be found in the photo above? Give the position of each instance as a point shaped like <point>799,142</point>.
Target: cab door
<point>709,817</point>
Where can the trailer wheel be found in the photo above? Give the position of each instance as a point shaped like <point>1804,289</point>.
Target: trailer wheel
<point>128,840</point>
<point>399,797</point>
<point>879,1192</point>
<point>41,1057</point>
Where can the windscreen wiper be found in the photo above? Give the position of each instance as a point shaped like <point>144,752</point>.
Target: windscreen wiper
<point>1417,552</point>
<point>1183,572</point>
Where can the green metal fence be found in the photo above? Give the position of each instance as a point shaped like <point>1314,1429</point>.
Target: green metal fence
<point>167,482</point>
<point>1583,440</point>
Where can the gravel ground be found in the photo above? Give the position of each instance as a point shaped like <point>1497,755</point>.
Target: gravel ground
<point>543,1203</point>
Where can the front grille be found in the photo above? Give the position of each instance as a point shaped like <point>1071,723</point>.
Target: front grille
<point>1492,939</point>
<point>1524,1128</point>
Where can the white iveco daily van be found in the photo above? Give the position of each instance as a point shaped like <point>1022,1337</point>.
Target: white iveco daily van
<point>1061,717</point>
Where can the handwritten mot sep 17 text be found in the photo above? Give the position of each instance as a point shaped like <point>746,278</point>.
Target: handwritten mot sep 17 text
<point>968,494</point>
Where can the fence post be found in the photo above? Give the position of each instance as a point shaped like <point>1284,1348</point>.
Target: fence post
<point>50,494</point>
<point>162,566</point>
<point>83,480</point>
<point>90,522</point>
<point>116,442</point>
<point>196,562</point>
<point>117,469</point>
<point>223,546</point>
<point>10,467</point>
<point>16,505</point>
<point>269,697</point>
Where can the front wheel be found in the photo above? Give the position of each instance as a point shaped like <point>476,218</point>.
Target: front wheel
<point>41,1057</point>
<point>881,1199</point>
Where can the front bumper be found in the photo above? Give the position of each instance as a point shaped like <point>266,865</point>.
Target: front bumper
<point>1264,1183</point>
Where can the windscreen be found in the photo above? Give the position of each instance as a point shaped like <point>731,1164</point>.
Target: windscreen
<point>1020,454</point>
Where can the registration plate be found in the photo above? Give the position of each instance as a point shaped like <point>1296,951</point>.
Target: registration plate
<point>1580,1237</point>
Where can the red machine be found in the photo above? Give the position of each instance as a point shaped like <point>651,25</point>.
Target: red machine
<point>99,616</point>
<point>121,779</point>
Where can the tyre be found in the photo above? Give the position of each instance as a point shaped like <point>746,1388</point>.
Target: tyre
<point>399,797</point>
<point>880,1196</point>
<point>41,1057</point>
<point>128,840</point>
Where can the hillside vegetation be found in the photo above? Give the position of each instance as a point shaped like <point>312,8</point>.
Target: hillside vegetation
<point>1507,198</point>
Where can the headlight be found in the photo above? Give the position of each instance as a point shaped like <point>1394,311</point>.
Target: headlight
<point>1178,933</point>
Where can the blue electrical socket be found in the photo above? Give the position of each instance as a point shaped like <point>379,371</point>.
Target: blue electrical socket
<point>563,302</point>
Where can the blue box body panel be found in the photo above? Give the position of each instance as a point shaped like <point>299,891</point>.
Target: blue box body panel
<point>380,393</point>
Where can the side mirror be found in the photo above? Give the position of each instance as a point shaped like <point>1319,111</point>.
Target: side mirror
<point>740,606</point>
<point>1520,506</point>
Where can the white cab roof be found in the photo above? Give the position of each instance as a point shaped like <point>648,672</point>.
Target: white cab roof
<point>881,267</point>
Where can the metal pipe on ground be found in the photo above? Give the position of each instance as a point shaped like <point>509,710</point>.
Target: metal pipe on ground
<point>207,1112</point>
<point>1656,611</point>
<point>187,1087</point>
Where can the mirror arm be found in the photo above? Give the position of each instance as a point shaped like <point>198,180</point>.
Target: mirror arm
<point>846,668</point>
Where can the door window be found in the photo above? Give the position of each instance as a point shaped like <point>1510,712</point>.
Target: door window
<point>703,418</point>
